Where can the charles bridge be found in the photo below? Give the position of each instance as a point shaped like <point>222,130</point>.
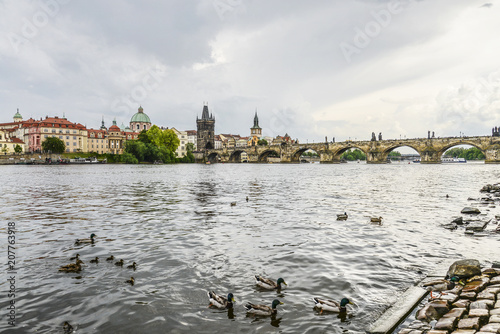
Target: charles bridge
<point>377,151</point>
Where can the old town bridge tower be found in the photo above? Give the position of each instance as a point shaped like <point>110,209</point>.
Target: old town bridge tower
<point>205,130</point>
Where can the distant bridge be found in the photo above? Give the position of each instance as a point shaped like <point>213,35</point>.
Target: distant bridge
<point>377,151</point>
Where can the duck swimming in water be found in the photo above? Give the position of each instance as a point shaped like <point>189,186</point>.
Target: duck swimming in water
<point>220,301</point>
<point>130,281</point>
<point>331,305</point>
<point>132,266</point>
<point>263,309</point>
<point>72,267</point>
<point>342,216</point>
<point>119,263</point>
<point>86,241</point>
<point>269,284</point>
<point>111,258</point>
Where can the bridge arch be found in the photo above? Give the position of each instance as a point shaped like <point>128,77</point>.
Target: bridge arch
<point>213,157</point>
<point>295,157</point>
<point>237,155</point>
<point>459,143</point>
<point>263,157</point>
<point>388,150</point>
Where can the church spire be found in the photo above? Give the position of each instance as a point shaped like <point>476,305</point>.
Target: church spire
<point>256,120</point>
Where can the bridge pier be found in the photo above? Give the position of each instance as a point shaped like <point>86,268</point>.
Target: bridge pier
<point>492,154</point>
<point>430,156</point>
<point>376,157</point>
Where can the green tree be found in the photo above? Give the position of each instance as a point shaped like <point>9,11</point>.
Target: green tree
<point>129,158</point>
<point>190,147</point>
<point>472,153</point>
<point>170,140</point>
<point>54,145</point>
<point>137,148</point>
<point>5,149</point>
<point>18,148</point>
<point>262,142</point>
<point>351,155</point>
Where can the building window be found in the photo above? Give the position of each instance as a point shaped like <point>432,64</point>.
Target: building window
<point>74,131</point>
<point>74,137</point>
<point>67,131</point>
<point>53,130</point>
<point>74,143</point>
<point>67,143</point>
<point>60,137</point>
<point>67,137</point>
<point>45,130</point>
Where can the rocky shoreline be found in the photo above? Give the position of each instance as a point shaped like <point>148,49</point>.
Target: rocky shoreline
<point>473,305</point>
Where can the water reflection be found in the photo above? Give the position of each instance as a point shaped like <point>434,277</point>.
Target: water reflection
<point>177,224</point>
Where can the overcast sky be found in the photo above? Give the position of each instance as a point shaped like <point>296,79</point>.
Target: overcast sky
<point>336,68</point>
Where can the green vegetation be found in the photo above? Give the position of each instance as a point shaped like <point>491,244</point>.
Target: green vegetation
<point>5,150</point>
<point>18,148</point>
<point>189,155</point>
<point>351,155</point>
<point>262,142</point>
<point>54,145</point>
<point>472,153</point>
<point>152,145</point>
<point>394,155</point>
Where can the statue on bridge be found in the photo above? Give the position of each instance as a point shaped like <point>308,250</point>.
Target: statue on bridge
<point>373,137</point>
<point>380,136</point>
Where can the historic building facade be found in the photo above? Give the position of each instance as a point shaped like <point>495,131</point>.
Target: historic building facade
<point>205,130</point>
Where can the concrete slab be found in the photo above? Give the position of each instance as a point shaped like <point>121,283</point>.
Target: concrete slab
<point>398,312</point>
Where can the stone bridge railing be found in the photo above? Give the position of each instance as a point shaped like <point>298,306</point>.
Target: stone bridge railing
<point>430,150</point>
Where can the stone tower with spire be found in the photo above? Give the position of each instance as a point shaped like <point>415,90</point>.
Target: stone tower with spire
<point>256,130</point>
<point>205,130</point>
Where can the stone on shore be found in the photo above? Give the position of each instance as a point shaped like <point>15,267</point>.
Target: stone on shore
<point>465,268</point>
<point>471,211</point>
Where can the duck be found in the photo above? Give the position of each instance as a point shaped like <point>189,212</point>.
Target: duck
<point>76,257</point>
<point>67,328</point>
<point>331,305</point>
<point>263,309</point>
<point>130,281</point>
<point>220,301</point>
<point>132,266</point>
<point>441,285</point>
<point>376,220</point>
<point>269,284</point>
<point>342,216</point>
<point>86,241</point>
<point>96,260</point>
<point>119,263</point>
<point>111,258</point>
<point>72,267</point>
<point>247,198</point>
<point>233,203</point>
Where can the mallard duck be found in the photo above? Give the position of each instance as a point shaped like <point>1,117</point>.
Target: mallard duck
<point>376,220</point>
<point>342,216</point>
<point>111,258</point>
<point>233,203</point>
<point>76,257</point>
<point>130,281</point>
<point>331,305</point>
<point>72,267</point>
<point>220,301</point>
<point>96,260</point>
<point>441,285</point>
<point>119,263</point>
<point>67,328</point>
<point>266,283</point>
<point>132,266</point>
<point>263,309</point>
<point>86,241</point>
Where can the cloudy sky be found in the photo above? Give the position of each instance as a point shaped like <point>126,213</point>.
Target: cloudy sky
<point>336,68</point>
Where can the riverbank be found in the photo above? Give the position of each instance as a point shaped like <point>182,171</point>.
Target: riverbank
<point>468,308</point>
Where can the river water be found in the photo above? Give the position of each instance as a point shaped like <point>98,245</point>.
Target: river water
<point>177,223</point>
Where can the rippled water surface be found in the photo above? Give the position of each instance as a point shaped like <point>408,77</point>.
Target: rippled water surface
<point>177,223</point>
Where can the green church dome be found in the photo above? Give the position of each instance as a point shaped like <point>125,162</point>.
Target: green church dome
<point>18,115</point>
<point>140,116</point>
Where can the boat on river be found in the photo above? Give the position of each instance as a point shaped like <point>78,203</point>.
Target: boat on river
<point>453,160</point>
